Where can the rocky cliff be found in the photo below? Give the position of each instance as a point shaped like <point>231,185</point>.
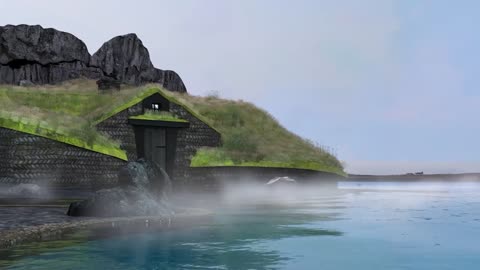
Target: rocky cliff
<point>48,56</point>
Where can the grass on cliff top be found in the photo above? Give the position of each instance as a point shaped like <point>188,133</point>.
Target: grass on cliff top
<point>252,137</point>
<point>67,112</point>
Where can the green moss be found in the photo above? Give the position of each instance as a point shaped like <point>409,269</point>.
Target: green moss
<point>174,97</point>
<point>209,157</point>
<point>158,116</point>
<point>68,113</point>
<point>100,145</point>
<point>250,136</point>
<point>125,105</point>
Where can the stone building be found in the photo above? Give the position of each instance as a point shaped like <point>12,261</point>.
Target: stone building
<point>171,143</point>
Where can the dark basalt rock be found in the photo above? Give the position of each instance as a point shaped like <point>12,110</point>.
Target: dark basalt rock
<point>48,56</point>
<point>142,191</point>
<point>127,60</point>
<point>118,202</point>
<point>170,80</point>
<point>33,44</point>
<point>108,84</point>
<point>42,56</point>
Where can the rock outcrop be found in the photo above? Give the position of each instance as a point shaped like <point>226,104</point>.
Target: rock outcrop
<point>48,56</point>
<point>125,59</point>
<point>42,56</point>
<point>142,191</point>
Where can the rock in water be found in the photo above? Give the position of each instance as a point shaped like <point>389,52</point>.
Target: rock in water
<point>142,191</point>
<point>120,202</point>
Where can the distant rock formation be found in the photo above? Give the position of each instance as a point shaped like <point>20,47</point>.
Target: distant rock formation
<point>124,58</point>
<point>48,56</point>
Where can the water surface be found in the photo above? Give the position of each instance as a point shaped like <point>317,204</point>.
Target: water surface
<point>356,225</point>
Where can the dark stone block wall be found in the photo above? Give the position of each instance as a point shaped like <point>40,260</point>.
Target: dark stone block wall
<point>189,140</point>
<point>118,128</point>
<point>28,158</point>
<point>215,178</point>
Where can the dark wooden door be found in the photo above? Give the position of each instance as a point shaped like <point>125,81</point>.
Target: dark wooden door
<point>155,146</point>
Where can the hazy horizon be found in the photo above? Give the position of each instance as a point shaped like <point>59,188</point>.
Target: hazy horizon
<point>390,85</point>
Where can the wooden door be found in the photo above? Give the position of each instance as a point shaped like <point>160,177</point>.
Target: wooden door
<point>155,146</point>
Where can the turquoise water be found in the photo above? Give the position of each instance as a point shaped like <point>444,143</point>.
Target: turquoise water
<point>352,226</point>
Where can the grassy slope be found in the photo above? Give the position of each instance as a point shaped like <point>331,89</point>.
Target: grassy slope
<point>252,137</point>
<point>67,112</point>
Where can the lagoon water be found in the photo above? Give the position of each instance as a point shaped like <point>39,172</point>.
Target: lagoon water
<point>353,225</point>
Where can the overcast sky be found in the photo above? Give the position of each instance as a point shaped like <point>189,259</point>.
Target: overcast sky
<point>391,85</point>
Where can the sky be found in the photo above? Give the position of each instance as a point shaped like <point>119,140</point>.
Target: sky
<point>390,86</point>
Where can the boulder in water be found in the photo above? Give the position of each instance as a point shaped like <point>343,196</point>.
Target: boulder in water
<point>142,191</point>
<point>120,202</point>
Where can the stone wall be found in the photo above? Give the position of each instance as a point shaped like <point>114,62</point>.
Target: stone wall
<point>214,178</point>
<point>28,158</point>
<point>189,140</point>
<point>118,128</point>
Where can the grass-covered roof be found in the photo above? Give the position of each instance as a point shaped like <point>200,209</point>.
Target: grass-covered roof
<point>69,112</point>
<point>158,116</point>
<point>252,137</point>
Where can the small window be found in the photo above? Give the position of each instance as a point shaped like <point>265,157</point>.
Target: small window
<point>155,106</point>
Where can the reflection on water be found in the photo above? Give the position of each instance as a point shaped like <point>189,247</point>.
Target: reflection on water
<point>355,226</point>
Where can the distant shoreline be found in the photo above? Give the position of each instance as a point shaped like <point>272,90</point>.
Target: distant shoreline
<point>417,177</point>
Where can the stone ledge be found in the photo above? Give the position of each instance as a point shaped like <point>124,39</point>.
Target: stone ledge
<point>45,232</point>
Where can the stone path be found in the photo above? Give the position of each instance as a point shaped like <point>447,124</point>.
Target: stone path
<point>23,217</point>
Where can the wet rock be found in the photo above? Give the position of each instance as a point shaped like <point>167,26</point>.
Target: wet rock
<point>142,191</point>
<point>120,202</point>
<point>146,175</point>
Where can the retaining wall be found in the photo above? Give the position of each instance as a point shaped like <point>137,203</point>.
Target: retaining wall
<point>189,140</point>
<point>118,128</point>
<point>26,158</point>
<point>213,178</point>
